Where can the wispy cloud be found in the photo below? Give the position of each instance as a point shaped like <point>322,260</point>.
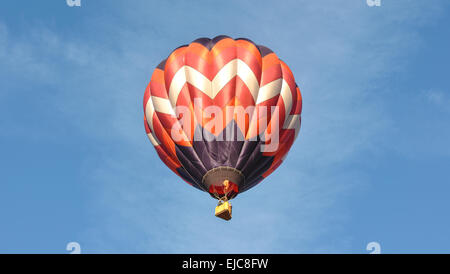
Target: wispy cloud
<point>438,98</point>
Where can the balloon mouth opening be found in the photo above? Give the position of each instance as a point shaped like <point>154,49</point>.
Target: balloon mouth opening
<point>223,182</point>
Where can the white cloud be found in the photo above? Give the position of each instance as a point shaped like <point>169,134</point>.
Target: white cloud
<point>438,98</point>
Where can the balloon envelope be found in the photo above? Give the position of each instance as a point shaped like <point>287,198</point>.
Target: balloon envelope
<point>222,110</point>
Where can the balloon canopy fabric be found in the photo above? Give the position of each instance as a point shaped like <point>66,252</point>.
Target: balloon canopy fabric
<point>222,113</point>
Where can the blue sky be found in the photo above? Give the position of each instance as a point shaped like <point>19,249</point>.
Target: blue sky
<point>370,164</point>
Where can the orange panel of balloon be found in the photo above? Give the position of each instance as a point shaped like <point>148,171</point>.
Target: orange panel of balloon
<point>222,114</point>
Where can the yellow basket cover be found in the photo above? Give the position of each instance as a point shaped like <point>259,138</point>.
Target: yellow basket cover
<point>224,211</point>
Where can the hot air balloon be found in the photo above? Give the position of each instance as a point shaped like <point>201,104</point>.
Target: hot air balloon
<point>222,114</point>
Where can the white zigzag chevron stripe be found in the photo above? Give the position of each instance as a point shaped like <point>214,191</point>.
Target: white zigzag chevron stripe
<point>153,139</point>
<point>235,67</point>
<point>149,111</point>
<point>269,90</point>
<point>293,122</point>
<point>163,105</point>
<point>286,95</point>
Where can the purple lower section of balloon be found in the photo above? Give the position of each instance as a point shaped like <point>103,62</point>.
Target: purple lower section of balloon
<point>208,153</point>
